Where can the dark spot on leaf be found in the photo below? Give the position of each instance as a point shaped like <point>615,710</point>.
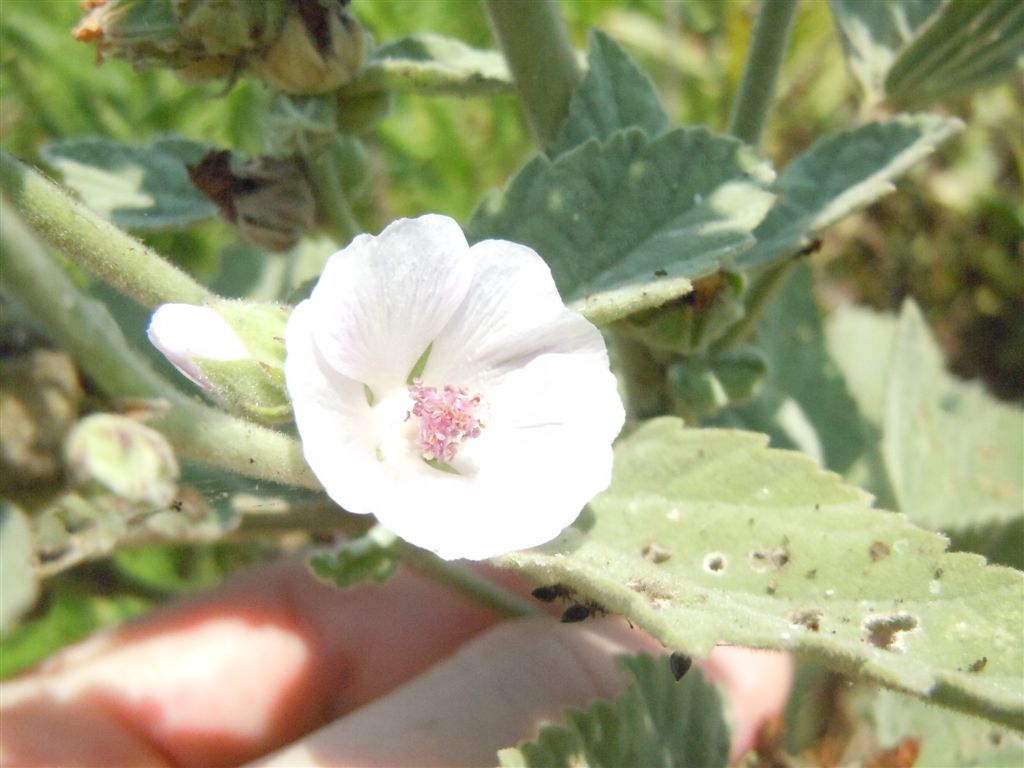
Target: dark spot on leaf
<point>978,665</point>
<point>879,550</point>
<point>773,585</point>
<point>660,273</point>
<point>882,631</point>
<point>809,618</point>
<point>938,573</point>
<point>811,573</point>
<point>679,664</point>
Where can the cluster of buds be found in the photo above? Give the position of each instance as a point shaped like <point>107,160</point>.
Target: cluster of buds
<point>298,46</point>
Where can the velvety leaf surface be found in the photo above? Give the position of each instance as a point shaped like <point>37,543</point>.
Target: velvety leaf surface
<point>708,536</point>
<point>658,722</point>
<point>626,224</point>
<point>430,63</point>
<point>953,454</point>
<point>874,33</point>
<point>842,174</point>
<point>613,95</point>
<point>143,188</point>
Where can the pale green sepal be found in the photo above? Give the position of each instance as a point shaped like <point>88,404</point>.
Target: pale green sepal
<point>627,224</point>
<point>658,721</point>
<point>18,583</point>
<point>370,557</point>
<point>839,175</point>
<point>767,550</point>
<point>255,385</point>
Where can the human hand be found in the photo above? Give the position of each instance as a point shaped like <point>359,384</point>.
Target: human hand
<point>278,668</point>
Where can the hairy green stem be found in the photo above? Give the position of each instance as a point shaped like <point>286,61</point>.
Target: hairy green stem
<point>460,578</point>
<point>82,326</point>
<point>536,45</point>
<point>95,244</point>
<point>757,87</point>
<point>643,378</point>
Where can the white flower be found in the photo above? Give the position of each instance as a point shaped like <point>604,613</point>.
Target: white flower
<point>184,332</point>
<point>505,433</point>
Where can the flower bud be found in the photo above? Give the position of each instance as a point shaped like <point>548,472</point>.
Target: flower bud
<point>319,49</point>
<point>269,200</point>
<point>233,350</point>
<point>742,372</point>
<point>109,453</point>
<point>690,324</point>
<point>696,390</point>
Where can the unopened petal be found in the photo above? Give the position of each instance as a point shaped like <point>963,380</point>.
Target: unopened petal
<point>184,332</point>
<point>382,300</point>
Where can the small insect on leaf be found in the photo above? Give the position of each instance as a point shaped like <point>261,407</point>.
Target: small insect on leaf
<point>679,664</point>
<point>553,592</point>
<point>580,611</point>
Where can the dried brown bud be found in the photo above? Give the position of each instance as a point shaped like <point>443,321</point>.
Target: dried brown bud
<point>268,199</point>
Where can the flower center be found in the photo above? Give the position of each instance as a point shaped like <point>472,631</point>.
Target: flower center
<point>447,419</point>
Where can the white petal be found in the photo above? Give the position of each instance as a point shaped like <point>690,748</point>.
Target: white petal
<point>511,314</point>
<point>382,300</point>
<point>183,332</point>
<point>333,418</point>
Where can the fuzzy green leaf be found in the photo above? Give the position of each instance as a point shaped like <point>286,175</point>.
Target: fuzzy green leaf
<point>142,188</point>
<point>873,33</point>
<point>969,43</point>
<point>625,225</point>
<point>657,722</point>
<point>18,585</point>
<point>912,53</point>
<point>839,175</point>
<point>429,63</point>
<point>766,550</point>
<point>613,95</point>
<point>953,454</point>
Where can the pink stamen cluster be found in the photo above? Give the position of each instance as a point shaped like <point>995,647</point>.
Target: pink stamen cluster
<point>447,419</point>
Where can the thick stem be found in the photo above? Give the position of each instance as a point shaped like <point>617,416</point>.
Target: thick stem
<point>95,244</point>
<point>757,87</point>
<point>535,41</point>
<point>84,328</point>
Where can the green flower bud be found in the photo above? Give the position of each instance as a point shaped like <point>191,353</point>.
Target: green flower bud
<point>742,372</point>
<point>269,200</point>
<point>319,49</point>
<point>693,322</point>
<point>233,350</point>
<point>109,453</point>
<point>696,390</point>
<point>230,27</point>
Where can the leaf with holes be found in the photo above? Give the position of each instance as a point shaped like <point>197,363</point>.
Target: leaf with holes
<point>759,547</point>
<point>839,175</point>
<point>625,225</point>
<point>658,721</point>
<point>613,95</point>
<point>142,188</point>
